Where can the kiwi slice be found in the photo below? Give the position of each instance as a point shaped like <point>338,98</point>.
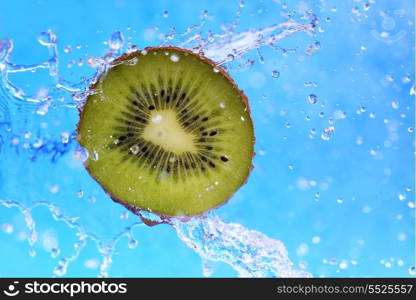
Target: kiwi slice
<point>168,132</point>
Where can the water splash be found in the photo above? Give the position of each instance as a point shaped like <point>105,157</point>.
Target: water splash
<point>249,252</point>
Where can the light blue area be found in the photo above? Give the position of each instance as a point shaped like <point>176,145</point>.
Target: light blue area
<point>343,205</point>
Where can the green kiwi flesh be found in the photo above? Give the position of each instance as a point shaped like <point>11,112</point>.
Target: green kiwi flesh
<point>167,132</point>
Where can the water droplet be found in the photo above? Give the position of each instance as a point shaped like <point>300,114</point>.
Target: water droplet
<point>64,137</point>
<point>133,243</point>
<point>116,41</point>
<point>7,228</point>
<point>47,38</point>
<point>43,108</point>
<point>406,79</point>
<point>80,194</point>
<point>124,215</point>
<point>210,188</point>
<point>412,91</point>
<point>174,58</point>
<point>27,134</point>
<point>68,49</point>
<point>343,265</point>
<point>134,149</point>
<point>316,239</point>
<point>95,155</point>
<point>395,104</point>
<point>32,252</point>
<point>313,99</point>
<point>327,133</point>
<point>55,252</point>
<point>339,115</point>
<point>38,143</point>
<point>54,189</point>
<point>275,74</point>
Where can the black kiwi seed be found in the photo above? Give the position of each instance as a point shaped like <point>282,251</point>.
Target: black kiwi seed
<point>224,159</point>
<point>151,107</point>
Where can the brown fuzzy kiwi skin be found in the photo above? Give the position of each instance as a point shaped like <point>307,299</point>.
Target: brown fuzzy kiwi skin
<point>165,219</point>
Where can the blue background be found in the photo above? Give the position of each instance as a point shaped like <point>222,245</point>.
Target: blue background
<point>359,76</point>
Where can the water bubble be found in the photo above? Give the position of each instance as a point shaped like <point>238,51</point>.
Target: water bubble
<point>47,38</point>
<point>116,41</point>
<point>174,58</point>
<point>317,196</point>
<point>410,129</point>
<point>412,270</point>
<point>242,4</point>
<point>340,200</point>
<point>275,74</point>
<point>165,14</point>
<point>290,167</point>
<point>95,155</point>
<point>288,125</point>
<point>366,6</point>
<point>313,99</point>
<point>328,20</point>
